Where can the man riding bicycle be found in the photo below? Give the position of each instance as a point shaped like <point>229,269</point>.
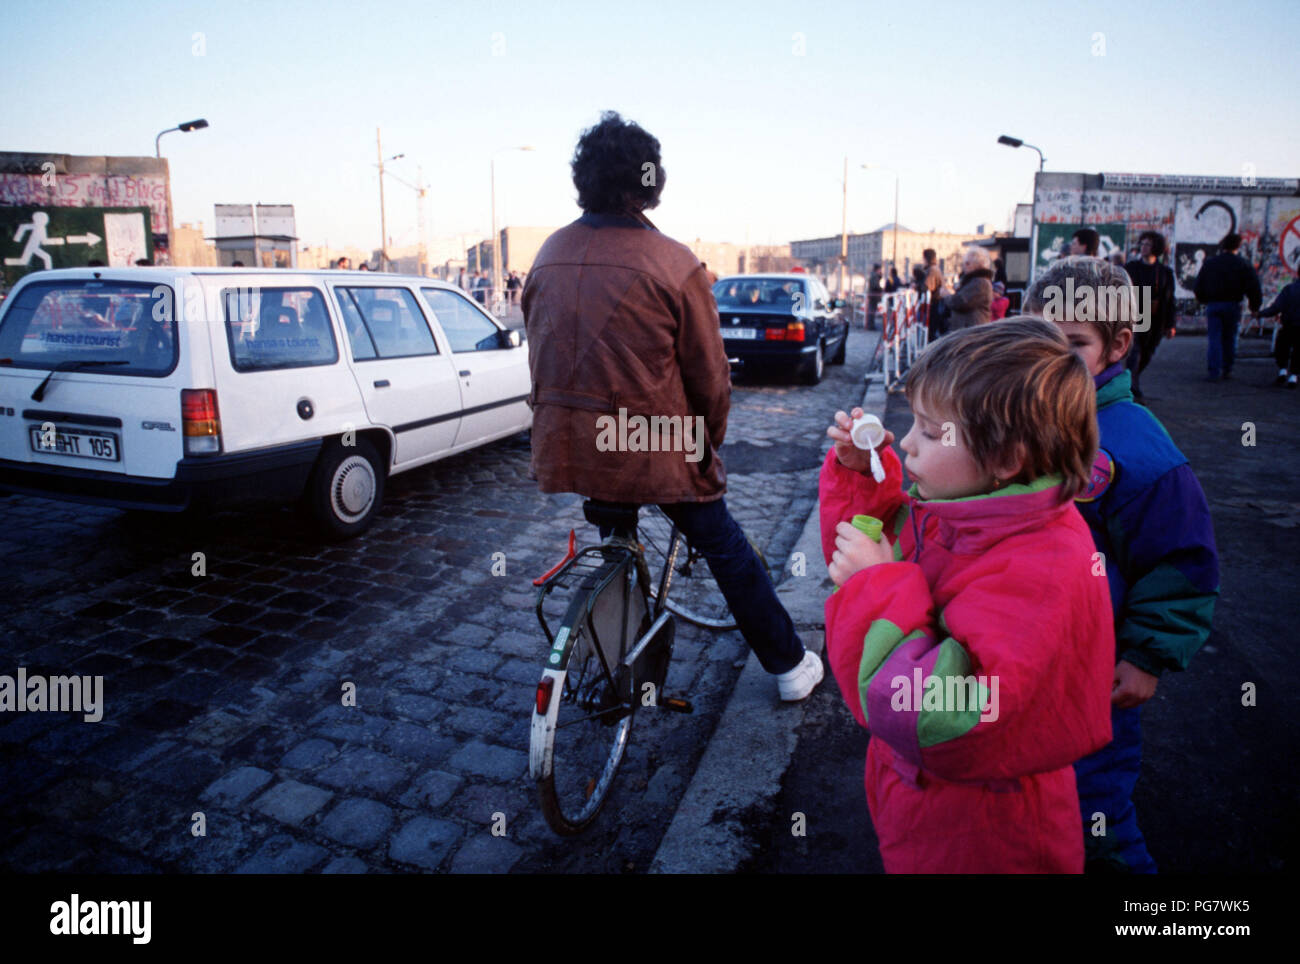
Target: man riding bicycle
<point>628,364</point>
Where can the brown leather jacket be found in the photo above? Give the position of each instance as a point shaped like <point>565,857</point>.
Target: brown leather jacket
<point>620,318</point>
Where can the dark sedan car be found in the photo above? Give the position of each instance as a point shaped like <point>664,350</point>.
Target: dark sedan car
<point>781,321</point>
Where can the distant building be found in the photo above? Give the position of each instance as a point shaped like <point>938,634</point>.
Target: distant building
<point>190,248</point>
<point>822,255</point>
<point>261,236</point>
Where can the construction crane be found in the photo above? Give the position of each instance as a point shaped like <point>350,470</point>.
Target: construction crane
<point>421,191</point>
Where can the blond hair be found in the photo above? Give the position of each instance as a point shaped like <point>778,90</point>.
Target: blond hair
<point>1016,390</point>
<point>1104,292</point>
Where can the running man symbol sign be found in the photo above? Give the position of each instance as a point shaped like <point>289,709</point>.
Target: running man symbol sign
<point>41,238</point>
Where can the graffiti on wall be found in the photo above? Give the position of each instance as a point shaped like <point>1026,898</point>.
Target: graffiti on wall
<point>93,191</point>
<point>1193,225</point>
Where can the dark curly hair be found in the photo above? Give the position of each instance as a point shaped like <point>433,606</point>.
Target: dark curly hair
<point>1158,243</point>
<point>611,167</point>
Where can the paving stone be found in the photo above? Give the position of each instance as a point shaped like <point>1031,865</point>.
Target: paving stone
<point>308,754</point>
<point>429,791</point>
<point>344,865</point>
<point>362,769</point>
<point>292,802</point>
<point>235,787</point>
<point>418,742</point>
<point>424,842</point>
<point>283,855</point>
<point>357,823</point>
<point>487,760</point>
<point>486,854</point>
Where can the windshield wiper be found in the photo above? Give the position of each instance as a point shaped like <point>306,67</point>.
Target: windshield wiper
<point>72,365</point>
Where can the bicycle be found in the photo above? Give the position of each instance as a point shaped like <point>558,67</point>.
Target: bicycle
<point>610,653</point>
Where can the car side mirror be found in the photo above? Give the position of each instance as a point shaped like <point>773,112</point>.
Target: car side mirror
<point>510,338</point>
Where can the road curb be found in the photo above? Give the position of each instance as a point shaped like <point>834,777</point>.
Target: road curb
<point>754,742</point>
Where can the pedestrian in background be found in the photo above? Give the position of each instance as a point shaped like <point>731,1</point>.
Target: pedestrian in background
<point>1001,304</point>
<point>1084,241</point>
<point>875,288</point>
<point>895,283</point>
<point>344,263</point>
<point>1222,282</point>
<point>1287,350</point>
<point>1148,271</point>
<point>970,304</point>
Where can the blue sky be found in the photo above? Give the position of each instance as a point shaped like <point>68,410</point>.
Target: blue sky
<point>755,103</point>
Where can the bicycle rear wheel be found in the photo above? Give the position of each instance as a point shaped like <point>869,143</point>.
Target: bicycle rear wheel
<point>580,734</point>
<point>693,593</point>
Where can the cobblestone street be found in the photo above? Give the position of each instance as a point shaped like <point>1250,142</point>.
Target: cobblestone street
<point>222,691</point>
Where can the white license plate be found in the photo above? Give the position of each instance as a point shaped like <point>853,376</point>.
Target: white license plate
<point>79,444</point>
<point>750,333</point>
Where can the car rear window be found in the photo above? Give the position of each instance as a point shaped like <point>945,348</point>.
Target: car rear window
<point>129,325</point>
<point>772,293</point>
<point>271,328</point>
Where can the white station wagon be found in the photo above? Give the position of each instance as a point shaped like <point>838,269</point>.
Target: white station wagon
<point>171,388</point>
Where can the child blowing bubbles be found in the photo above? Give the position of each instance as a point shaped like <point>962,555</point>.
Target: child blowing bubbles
<point>989,588</point>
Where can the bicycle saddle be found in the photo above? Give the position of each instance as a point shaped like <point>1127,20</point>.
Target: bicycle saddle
<point>619,516</point>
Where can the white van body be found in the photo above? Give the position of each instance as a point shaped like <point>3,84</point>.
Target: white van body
<point>166,388</point>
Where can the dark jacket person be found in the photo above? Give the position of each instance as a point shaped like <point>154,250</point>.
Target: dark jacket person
<point>623,336</point>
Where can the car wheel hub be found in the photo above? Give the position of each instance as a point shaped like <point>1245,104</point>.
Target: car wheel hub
<point>353,490</point>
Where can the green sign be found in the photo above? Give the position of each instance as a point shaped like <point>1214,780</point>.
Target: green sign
<point>37,238</point>
<point>1054,239</point>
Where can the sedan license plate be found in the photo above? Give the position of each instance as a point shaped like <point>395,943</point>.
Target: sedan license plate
<point>77,443</point>
<point>749,333</point>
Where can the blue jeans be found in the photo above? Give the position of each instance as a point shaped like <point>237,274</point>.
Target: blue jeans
<point>1106,780</point>
<point>743,579</point>
<point>1221,320</point>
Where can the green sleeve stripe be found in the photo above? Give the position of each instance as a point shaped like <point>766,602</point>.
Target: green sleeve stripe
<point>951,701</point>
<point>882,639</point>
<point>1165,618</point>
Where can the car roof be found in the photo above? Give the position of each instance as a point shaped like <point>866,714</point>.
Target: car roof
<point>164,272</point>
<point>768,276</point>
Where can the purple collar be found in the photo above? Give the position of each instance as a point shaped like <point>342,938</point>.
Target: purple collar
<point>1108,374</point>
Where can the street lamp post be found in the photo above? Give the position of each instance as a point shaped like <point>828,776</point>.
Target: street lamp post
<point>194,125</point>
<point>383,216</point>
<point>1017,142</point>
<point>881,167</point>
<point>496,242</point>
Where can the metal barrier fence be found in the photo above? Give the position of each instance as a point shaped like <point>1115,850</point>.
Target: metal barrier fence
<point>904,334</point>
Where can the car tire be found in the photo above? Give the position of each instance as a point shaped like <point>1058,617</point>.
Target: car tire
<point>815,367</point>
<point>346,489</point>
<point>842,350</point>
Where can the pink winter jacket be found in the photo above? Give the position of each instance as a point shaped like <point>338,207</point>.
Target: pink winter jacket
<point>998,598</point>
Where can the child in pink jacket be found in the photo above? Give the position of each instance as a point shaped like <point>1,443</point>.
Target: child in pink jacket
<point>975,641</point>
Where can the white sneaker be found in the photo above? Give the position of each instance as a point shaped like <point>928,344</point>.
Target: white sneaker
<point>802,680</point>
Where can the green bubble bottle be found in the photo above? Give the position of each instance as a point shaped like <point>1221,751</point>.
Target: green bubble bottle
<point>869,524</point>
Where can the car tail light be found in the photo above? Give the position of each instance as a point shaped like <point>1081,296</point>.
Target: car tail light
<point>201,423</point>
<point>544,689</point>
<point>775,334</point>
<point>794,331</point>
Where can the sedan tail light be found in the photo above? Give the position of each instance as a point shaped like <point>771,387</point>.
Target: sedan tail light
<point>794,331</point>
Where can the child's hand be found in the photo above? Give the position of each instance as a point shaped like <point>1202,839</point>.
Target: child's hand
<point>855,551</point>
<point>1133,686</point>
<point>849,455</point>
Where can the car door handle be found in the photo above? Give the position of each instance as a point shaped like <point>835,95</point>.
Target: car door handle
<point>464,373</point>
<point>382,383</point>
